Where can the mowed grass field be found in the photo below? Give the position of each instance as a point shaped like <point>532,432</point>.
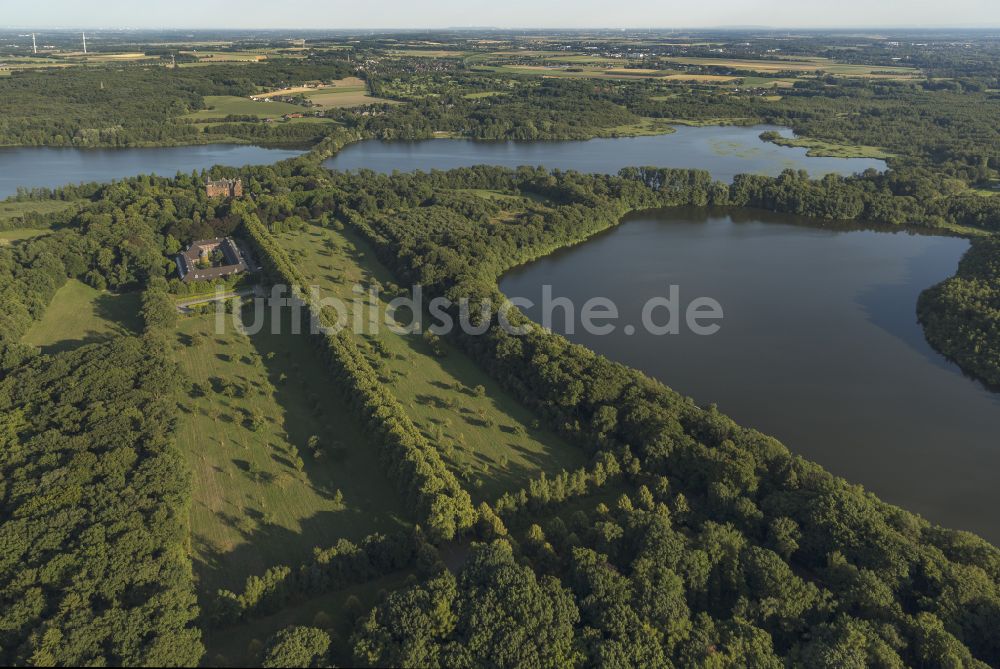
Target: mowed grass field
<point>589,66</point>
<point>79,314</point>
<point>246,422</point>
<point>227,56</point>
<point>220,106</point>
<point>347,92</point>
<point>803,65</point>
<point>582,72</point>
<point>483,434</point>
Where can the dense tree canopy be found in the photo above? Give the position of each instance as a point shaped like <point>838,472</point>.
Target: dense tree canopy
<point>94,498</point>
<point>687,540</point>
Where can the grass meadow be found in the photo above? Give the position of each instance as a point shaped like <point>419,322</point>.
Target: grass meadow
<point>12,211</point>
<point>79,314</point>
<point>279,464</point>
<point>221,106</point>
<point>483,433</point>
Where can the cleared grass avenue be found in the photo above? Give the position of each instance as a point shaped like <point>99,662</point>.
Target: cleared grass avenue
<point>279,465</point>
<point>482,432</point>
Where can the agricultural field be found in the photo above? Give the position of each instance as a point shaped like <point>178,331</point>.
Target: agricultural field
<point>768,82</point>
<point>483,94</point>
<point>347,92</point>
<point>226,56</point>
<point>576,65</point>
<point>491,442</point>
<point>79,314</point>
<point>221,106</point>
<point>810,65</point>
<point>428,53</point>
<point>701,78</point>
<point>279,464</point>
<point>129,57</point>
<point>575,72</point>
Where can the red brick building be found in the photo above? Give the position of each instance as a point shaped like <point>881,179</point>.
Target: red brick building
<point>224,188</point>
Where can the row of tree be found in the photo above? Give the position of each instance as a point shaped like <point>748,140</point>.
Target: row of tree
<point>720,474</point>
<point>414,465</point>
<point>120,105</point>
<point>331,569</point>
<point>94,495</point>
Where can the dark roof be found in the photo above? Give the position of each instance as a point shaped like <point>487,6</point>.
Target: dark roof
<point>187,260</point>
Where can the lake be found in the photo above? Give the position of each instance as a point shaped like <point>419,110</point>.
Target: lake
<point>725,151</point>
<point>34,167</point>
<point>819,345</point>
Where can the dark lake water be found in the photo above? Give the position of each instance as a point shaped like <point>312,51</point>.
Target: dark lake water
<point>819,345</point>
<point>722,150</point>
<point>50,167</point>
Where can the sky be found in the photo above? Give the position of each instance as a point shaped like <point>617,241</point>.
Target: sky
<point>415,14</point>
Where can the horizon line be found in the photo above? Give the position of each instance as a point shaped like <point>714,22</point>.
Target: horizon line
<point>733,28</point>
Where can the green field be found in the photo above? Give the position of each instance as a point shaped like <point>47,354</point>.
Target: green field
<point>228,56</point>
<point>220,106</point>
<point>806,65</point>
<point>11,210</point>
<point>486,437</point>
<point>20,234</point>
<point>254,406</point>
<point>79,314</point>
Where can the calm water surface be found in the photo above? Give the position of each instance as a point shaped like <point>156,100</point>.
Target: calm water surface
<point>34,167</point>
<point>819,345</point>
<point>722,150</point>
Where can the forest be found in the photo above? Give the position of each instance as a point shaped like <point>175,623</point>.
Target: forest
<point>961,315</point>
<point>722,490</point>
<point>681,539</point>
<point>685,529</point>
<point>141,106</point>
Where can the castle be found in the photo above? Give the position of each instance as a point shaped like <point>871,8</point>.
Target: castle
<point>224,188</point>
<point>209,259</point>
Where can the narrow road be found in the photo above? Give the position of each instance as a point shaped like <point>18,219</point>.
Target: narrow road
<point>185,305</point>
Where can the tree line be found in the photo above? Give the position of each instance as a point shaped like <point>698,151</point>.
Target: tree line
<point>415,466</point>
<point>939,590</point>
<point>961,315</point>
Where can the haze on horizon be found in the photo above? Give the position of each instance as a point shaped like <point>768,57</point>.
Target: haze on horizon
<point>402,14</point>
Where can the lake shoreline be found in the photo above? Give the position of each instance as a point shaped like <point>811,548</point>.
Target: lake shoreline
<point>885,313</point>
